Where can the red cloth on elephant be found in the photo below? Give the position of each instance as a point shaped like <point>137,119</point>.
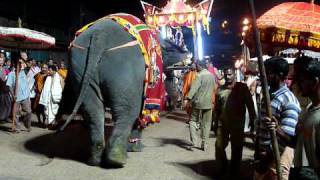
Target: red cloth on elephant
<point>151,45</point>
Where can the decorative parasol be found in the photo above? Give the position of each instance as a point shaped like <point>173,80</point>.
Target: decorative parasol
<point>22,38</point>
<point>291,24</point>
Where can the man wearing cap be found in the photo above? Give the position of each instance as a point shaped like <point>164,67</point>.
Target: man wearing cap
<point>200,96</point>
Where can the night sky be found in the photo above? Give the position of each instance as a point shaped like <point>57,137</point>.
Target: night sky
<point>62,14</point>
<point>59,11</point>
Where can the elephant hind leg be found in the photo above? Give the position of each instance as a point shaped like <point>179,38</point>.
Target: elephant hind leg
<point>116,150</point>
<point>93,112</point>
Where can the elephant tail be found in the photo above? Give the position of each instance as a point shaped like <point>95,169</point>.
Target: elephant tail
<point>92,62</point>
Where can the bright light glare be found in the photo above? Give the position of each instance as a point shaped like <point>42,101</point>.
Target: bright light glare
<point>245,28</point>
<point>163,32</point>
<point>245,21</point>
<point>199,42</point>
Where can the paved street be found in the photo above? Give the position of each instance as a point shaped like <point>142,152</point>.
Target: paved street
<point>24,156</point>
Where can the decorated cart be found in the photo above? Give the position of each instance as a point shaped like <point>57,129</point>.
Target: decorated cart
<point>175,14</point>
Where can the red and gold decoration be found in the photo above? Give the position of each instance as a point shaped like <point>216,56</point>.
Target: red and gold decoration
<point>150,48</point>
<point>177,13</point>
<point>291,24</point>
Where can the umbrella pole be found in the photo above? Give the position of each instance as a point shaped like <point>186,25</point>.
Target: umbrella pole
<point>266,94</point>
<point>14,109</point>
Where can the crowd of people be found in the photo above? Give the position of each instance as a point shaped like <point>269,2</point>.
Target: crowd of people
<point>38,89</point>
<point>237,107</point>
<point>213,101</point>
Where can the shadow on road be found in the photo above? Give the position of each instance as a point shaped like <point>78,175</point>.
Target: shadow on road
<point>73,143</point>
<point>5,129</point>
<point>208,169</point>
<point>180,114</point>
<point>173,141</point>
<point>177,118</point>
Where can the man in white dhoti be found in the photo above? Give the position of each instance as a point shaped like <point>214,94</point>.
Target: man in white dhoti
<point>51,95</point>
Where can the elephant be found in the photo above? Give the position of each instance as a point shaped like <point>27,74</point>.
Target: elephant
<point>114,79</point>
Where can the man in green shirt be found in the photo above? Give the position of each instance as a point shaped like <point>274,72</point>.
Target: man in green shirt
<point>200,96</point>
<point>233,98</point>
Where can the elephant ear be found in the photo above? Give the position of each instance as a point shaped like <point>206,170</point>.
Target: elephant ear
<point>172,53</point>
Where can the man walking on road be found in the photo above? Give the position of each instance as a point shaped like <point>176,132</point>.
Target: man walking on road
<point>233,98</point>
<point>200,96</point>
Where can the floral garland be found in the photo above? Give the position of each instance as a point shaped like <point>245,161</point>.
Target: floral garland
<point>151,113</point>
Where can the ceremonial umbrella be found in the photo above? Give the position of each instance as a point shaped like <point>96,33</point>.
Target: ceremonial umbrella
<point>291,24</point>
<point>22,38</point>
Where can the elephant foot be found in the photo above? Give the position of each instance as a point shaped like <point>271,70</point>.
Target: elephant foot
<point>94,161</point>
<point>116,156</point>
<point>96,155</point>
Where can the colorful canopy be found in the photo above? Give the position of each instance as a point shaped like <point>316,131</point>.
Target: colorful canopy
<point>298,16</point>
<point>291,24</point>
<point>24,38</point>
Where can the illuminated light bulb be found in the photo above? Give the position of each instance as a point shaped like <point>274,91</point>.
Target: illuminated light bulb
<point>245,28</point>
<point>243,34</point>
<point>245,21</point>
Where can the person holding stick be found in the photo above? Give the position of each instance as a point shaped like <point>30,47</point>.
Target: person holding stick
<point>22,97</point>
<point>285,110</point>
